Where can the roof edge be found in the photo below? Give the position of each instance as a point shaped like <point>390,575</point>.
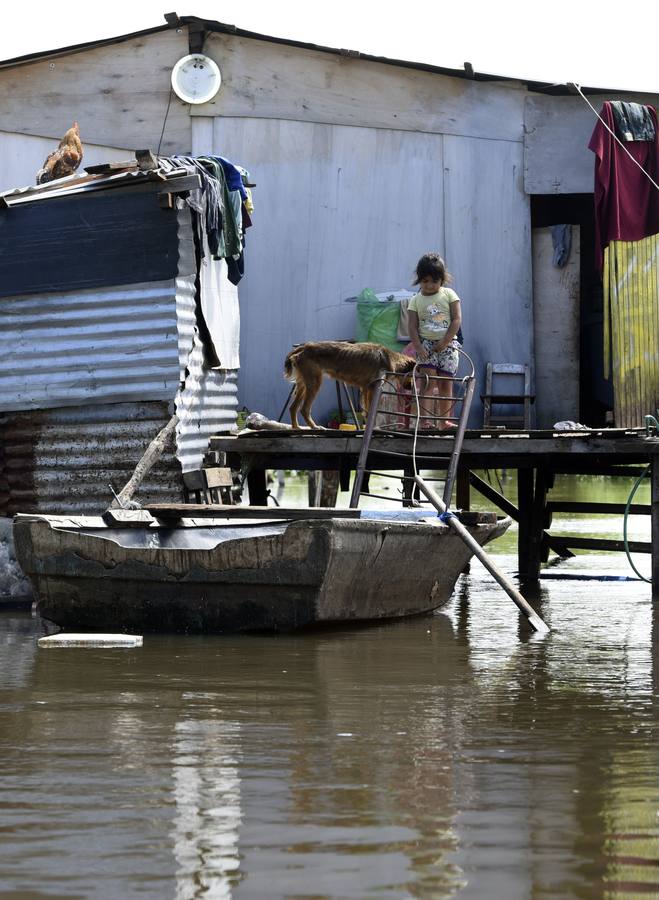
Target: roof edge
<point>209,25</point>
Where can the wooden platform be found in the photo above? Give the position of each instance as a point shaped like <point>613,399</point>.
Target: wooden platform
<point>537,455</point>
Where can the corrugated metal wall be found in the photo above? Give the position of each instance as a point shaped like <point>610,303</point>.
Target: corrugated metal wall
<point>99,346</point>
<point>62,460</point>
<point>89,379</point>
<point>207,402</point>
<point>631,326</point>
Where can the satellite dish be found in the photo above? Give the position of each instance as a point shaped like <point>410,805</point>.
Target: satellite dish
<point>196,78</point>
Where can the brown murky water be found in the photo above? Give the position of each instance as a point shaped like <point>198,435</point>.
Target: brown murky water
<point>454,754</point>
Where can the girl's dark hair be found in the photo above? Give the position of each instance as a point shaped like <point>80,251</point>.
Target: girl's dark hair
<point>432,264</point>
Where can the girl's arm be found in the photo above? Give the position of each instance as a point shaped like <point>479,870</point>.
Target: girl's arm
<point>454,327</point>
<point>413,328</point>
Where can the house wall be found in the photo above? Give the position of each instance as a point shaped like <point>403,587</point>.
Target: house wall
<point>22,155</point>
<point>361,167</point>
<point>341,208</point>
<point>119,95</point>
<point>557,131</point>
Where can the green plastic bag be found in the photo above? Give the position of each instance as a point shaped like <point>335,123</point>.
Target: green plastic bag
<point>377,320</point>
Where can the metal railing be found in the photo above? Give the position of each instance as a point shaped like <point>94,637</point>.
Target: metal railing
<point>404,405</point>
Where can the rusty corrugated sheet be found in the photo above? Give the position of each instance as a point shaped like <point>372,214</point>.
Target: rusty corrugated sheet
<point>62,460</point>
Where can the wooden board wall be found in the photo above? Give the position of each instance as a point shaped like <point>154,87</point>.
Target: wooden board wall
<point>556,135</point>
<point>23,155</point>
<point>556,302</point>
<point>118,94</point>
<point>342,208</point>
<point>273,81</point>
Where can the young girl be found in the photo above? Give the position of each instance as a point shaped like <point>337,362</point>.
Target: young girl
<point>434,319</point>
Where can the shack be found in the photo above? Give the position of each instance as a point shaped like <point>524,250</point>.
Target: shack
<point>363,164</point>
<point>115,315</point>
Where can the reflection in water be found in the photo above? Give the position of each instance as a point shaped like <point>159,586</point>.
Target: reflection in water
<point>207,796</point>
<point>454,754</point>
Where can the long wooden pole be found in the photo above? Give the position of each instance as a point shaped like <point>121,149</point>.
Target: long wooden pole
<point>534,619</point>
<point>151,456</point>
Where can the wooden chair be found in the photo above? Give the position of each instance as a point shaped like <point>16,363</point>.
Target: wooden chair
<point>210,485</point>
<point>512,388</point>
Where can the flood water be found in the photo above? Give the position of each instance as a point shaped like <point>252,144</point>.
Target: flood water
<point>451,755</point>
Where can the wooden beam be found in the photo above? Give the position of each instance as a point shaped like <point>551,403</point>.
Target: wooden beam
<point>578,468</point>
<point>569,506</point>
<point>580,543</point>
<point>555,543</point>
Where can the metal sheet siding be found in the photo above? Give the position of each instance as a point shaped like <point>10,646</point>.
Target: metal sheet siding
<point>208,401</point>
<point>93,346</point>
<point>488,250</point>
<point>339,209</point>
<point>62,460</point>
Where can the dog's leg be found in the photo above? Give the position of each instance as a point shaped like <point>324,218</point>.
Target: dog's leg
<point>298,396</point>
<point>312,386</point>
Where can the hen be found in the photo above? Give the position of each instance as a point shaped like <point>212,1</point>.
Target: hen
<point>65,160</point>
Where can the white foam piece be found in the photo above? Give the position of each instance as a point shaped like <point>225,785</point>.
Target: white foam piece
<point>91,640</point>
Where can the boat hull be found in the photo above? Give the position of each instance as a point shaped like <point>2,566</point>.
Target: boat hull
<point>213,577</point>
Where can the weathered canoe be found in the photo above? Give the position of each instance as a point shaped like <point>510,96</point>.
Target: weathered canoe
<point>221,574</point>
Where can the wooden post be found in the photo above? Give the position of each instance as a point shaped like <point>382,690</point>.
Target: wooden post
<point>654,500</point>
<point>462,489</point>
<point>525,507</point>
<point>150,457</point>
<point>256,485</point>
<point>538,512</point>
<point>408,484</point>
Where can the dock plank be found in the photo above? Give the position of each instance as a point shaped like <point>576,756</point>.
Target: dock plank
<point>220,511</point>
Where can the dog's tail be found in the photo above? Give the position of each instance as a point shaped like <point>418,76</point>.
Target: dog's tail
<point>289,364</point>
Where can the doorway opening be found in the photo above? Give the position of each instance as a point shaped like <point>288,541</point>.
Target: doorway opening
<point>595,392</point>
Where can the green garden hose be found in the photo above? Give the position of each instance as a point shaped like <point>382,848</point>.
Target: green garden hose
<point>640,478</point>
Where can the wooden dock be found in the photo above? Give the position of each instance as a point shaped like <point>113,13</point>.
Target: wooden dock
<point>536,455</point>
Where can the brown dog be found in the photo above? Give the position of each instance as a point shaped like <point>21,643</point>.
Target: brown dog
<point>356,364</point>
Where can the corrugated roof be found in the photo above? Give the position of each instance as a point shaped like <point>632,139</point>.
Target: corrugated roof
<point>82,182</point>
<point>209,25</point>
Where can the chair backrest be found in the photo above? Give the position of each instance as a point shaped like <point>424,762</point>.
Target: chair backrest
<point>520,369</point>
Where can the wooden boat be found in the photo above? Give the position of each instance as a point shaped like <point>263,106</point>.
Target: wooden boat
<point>241,568</point>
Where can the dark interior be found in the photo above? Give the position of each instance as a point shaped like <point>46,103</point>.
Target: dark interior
<point>596,393</point>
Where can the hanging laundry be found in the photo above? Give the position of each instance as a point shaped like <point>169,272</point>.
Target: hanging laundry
<point>224,205</point>
<point>633,121</point>
<point>561,237</point>
<point>626,201</point>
